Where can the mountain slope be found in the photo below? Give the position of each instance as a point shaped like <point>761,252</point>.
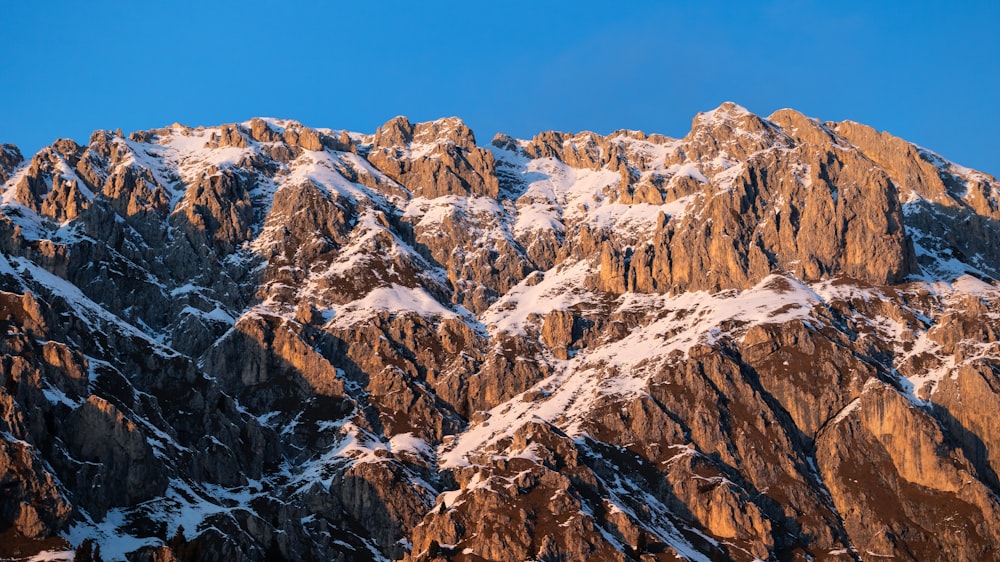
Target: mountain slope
<point>770,339</point>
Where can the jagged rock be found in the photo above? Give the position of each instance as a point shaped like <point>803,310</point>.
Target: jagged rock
<point>557,332</point>
<point>966,402</point>
<point>516,507</point>
<point>812,375</point>
<point>912,482</point>
<point>32,503</point>
<point>216,212</point>
<point>309,139</point>
<point>10,158</point>
<point>99,433</point>
<point>260,131</point>
<point>758,341</point>
<point>153,554</point>
<point>380,500</point>
<point>232,135</point>
<point>434,159</point>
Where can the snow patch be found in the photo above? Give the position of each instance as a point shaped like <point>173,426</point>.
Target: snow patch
<point>396,299</point>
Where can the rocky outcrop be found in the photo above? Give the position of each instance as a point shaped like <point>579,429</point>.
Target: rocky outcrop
<point>100,436</point>
<point>434,159</point>
<point>50,187</point>
<point>521,506</point>
<point>965,403</point>
<point>916,497</point>
<point>216,212</point>
<point>265,341</point>
<point>811,374</point>
<point>10,158</point>
<point>32,504</point>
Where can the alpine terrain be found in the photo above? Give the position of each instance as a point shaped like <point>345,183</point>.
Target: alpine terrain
<point>772,339</point>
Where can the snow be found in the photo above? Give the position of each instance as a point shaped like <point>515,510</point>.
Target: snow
<point>538,216</point>
<point>620,368</point>
<point>6,268</point>
<point>555,199</point>
<point>637,217</point>
<point>969,285</point>
<point>114,542</point>
<point>623,494</point>
<point>915,342</point>
<point>450,499</point>
<point>560,289</point>
<point>320,168</point>
<point>56,396</point>
<point>11,439</point>
<point>355,445</point>
<point>409,443</point>
<point>53,556</point>
<point>721,115</point>
<point>730,171</point>
<point>687,170</point>
<point>69,174</point>
<point>91,312</point>
<point>694,317</point>
<point>557,195</point>
<point>181,505</point>
<point>371,240</point>
<point>150,157</point>
<point>846,411</point>
<point>185,289</point>
<point>33,226</point>
<point>431,212</point>
<point>217,314</point>
<point>394,298</point>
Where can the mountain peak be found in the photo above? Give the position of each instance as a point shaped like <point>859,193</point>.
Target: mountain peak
<point>727,112</point>
<point>399,131</point>
<point>306,344</point>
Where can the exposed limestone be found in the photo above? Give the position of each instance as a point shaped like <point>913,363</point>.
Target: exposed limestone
<point>518,507</point>
<point>812,375</point>
<point>10,158</point>
<point>32,502</point>
<point>229,136</point>
<point>901,489</point>
<point>260,131</point>
<point>216,212</point>
<point>557,332</point>
<point>967,403</point>
<point>101,434</point>
<point>434,159</point>
<point>755,342</point>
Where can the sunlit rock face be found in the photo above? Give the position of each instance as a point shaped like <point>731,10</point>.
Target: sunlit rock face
<point>774,338</point>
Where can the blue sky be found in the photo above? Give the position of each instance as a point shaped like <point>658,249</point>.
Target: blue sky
<point>922,71</point>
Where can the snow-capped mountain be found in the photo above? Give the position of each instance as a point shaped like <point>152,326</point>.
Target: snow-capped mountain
<point>774,339</point>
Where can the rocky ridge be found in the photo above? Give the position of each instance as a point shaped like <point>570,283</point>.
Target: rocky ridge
<point>774,338</point>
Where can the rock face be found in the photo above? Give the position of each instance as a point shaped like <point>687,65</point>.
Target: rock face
<point>772,339</point>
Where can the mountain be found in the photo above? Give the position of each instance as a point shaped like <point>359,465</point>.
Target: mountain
<point>774,339</point>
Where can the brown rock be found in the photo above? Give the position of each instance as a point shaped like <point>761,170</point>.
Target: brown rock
<point>901,489</point>
<point>10,158</point>
<point>216,212</point>
<point>557,332</point>
<point>967,402</point>
<point>33,503</point>
<point>232,135</point>
<point>128,470</point>
<point>260,131</point>
<point>441,158</point>
<point>309,139</point>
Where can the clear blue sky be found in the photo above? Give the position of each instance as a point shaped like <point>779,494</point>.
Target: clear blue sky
<point>924,71</point>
